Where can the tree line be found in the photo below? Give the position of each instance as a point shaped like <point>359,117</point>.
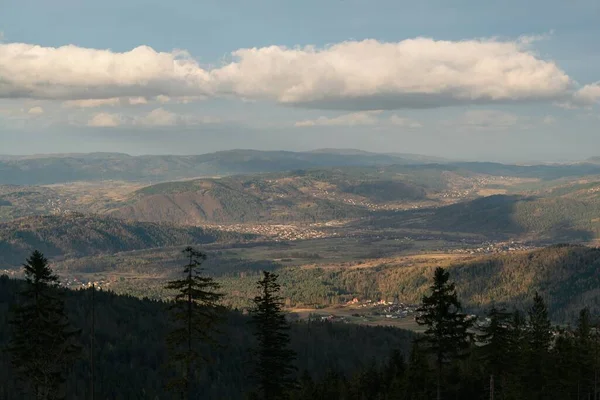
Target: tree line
<point>506,355</point>
<point>44,345</point>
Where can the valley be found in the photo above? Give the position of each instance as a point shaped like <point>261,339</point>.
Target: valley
<point>334,234</point>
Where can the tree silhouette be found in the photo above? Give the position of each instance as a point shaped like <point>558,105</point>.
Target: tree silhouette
<point>274,363</point>
<point>43,345</point>
<point>195,313</point>
<point>539,339</point>
<point>495,340</point>
<point>447,336</point>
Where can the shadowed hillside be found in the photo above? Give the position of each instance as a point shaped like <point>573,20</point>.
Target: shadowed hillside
<point>78,235</point>
<point>546,219</point>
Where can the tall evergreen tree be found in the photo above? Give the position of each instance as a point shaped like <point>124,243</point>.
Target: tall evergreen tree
<point>447,335</point>
<point>495,340</point>
<point>195,313</point>
<point>539,337</point>
<point>418,375</point>
<point>43,344</point>
<point>274,364</point>
<point>584,343</point>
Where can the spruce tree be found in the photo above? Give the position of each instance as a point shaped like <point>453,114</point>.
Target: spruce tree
<point>43,345</point>
<point>195,313</point>
<point>274,363</point>
<point>418,375</point>
<point>495,340</point>
<point>539,337</point>
<point>584,343</point>
<point>515,384</point>
<point>447,335</point>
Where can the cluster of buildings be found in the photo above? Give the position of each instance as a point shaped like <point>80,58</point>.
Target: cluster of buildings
<point>276,232</point>
<point>494,248</point>
<point>76,283</point>
<point>389,309</point>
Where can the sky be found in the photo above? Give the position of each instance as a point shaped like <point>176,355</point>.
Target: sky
<point>501,81</point>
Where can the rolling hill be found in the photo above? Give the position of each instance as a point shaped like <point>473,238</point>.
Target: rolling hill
<point>297,196</point>
<point>78,235</point>
<point>569,213</point>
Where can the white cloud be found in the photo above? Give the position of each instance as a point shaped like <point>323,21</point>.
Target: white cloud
<point>353,119</point>
<point>548,120</point>
<point>588,95</point>
<point>111,102</point>
<point>415,73</point>
<point>72,73</point>
<point>161,98</point>
<point>405,122</point>
<point>360,118</point>
<point>354,75</point>
<point>105,120</point>
<point>179,99</point>
<point>134,101</point>
<point>35,110</point>
<point>158,117</point>
<point>487,120</point>
<point>91,103</point>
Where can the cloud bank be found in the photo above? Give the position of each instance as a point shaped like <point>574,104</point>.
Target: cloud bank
<point>159,117</point>
<point>353,75</point>
<point>360,118</point>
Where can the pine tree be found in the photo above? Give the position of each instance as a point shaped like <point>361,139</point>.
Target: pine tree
<point>195,313</point>
<point>539,335</point>
<point>418,375</point>
<point>495,340</point>
<point>43,344</point>
<point>394,375</point>
<point>447,335</point>
<point>518,353</point>
<point>584,343</point>
<point>274,364</point>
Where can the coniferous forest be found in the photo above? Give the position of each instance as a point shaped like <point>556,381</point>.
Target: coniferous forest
<point>91,344</point>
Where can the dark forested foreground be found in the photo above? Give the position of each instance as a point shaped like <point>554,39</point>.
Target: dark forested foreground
<point>507,355</point>
<point>131,353</point>
<point>54,346</point>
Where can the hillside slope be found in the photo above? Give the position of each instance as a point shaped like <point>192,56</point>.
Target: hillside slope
<point>567,276</point>
<point>296,196</point>
<point>557,216</point>
<point>79,235</point>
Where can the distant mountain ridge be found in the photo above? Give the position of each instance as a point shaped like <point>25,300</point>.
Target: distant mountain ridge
<point>61,168</point>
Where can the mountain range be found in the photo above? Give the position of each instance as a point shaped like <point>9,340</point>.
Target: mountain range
<point>60,168</point>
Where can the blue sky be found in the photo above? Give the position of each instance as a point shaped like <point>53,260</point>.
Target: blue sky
<point>506,80</point>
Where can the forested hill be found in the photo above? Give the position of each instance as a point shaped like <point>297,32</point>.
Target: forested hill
<point>78,235</point>
<point>294,196</point>
<point>130,349</point>
<point>568,276</point>
<point>47,169</point>
<point>549,218</point>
